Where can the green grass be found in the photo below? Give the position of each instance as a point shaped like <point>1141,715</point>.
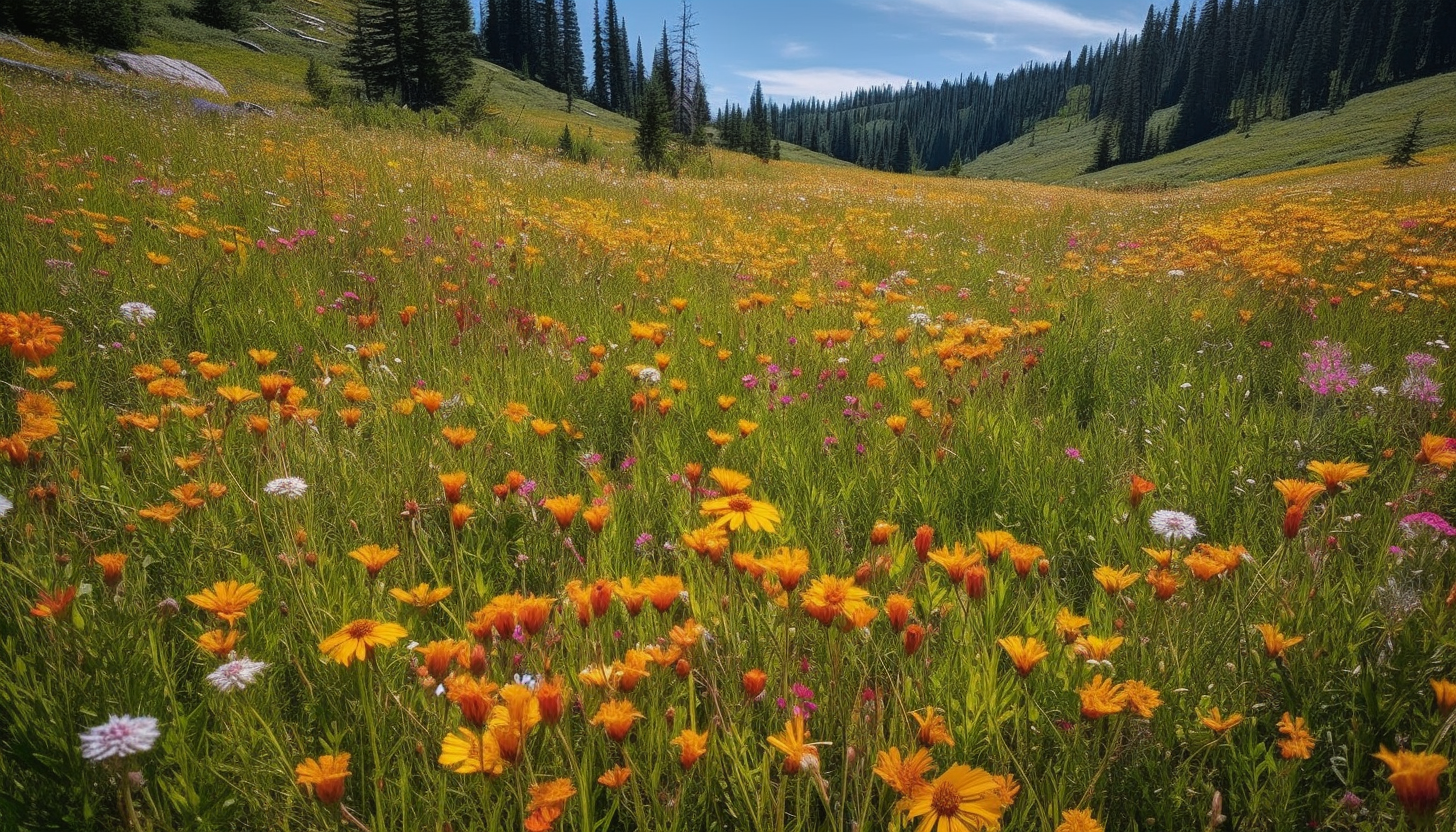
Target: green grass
<point>1365,127</point>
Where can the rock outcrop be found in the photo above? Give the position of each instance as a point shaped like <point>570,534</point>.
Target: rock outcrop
<point>164,68</point>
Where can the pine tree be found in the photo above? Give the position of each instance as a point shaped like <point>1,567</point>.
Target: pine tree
<point>1410,143</point>
<point>758,136</point>
<point>320,87</point>
<point>547,45</point>
<point>415,51</point>
<point>223,14</point>
<point>638,74</point>
<point>662,69</point>
<point>619,61</point>
<point>85,24</point>
<point>701,114</point>
<point>954,169</point>
<point>1102,156</point>
<point>573,62</point>
<point>900,162</point>
<point>654,126</point>
<point>601,87</point>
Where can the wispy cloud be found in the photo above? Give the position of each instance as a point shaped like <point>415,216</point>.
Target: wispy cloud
<point>795,49</point>
<point>1012,14</point>
<point>820,82</point>
<point>1045,55</point>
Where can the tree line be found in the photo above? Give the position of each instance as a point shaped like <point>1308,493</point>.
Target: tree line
<point>113,24</point>
<point>1224,65</point>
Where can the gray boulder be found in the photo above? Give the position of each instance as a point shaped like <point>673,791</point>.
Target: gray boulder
<point>164,68</point>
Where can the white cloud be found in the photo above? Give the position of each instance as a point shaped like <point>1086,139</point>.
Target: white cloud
<point>820,82</point>
<point>795,49</point>
<point>1043,17</point>
<point>1045,55</point>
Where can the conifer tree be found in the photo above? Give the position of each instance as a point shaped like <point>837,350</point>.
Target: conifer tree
<point>639,76</point>
<point>601,87</point>
<point>900,162</point>
<point>573,62</point>
<point>662,69</point>
<point>223,14</point>
<point>415,51</point>
<point>654,126</point>
<point>758,138</point>
<point>701,114</point>
<point>1409,144</point>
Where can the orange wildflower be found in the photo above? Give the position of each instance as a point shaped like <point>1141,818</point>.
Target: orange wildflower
<point>228,600</point>
<point>616,717</point>
<point>53,604</point>
<point>933,729</point>
<point>1415,778</point>
<point>1298,742</point>
<point>1025,653</point>
<point>324,776</point>
<point>358,639</point>
<point>1138,489</point>
<point>692,746</point>
<point>564,509</point>
<point>374,557</point>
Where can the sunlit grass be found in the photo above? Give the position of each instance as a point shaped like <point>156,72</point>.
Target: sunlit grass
<point>867,348</point>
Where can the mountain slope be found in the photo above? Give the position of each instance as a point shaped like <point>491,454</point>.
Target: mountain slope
<point>1060,149</point>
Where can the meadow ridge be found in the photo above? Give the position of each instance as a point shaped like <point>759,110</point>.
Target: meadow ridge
<point>377,479</point>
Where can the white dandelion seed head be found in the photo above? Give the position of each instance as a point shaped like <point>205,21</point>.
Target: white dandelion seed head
<point>236,674</point>
<point>136,312</point>
<point>5,505</point>
<point>649,375</point>
<point>290,487</point>
<point>1173,525</point>
<point>119,736</point>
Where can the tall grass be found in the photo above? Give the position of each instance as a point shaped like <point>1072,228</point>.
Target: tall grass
<point>1177,324</point>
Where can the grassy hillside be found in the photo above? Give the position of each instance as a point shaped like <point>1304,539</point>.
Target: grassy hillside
<point>1061,148</point>
<point>529,113</point>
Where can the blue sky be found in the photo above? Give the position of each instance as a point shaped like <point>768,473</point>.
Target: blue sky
<point>799,48</point>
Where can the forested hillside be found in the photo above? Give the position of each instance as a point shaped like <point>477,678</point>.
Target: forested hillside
<point>1224,64</point>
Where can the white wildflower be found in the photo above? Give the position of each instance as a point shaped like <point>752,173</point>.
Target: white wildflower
<point>5,505</point>
<point>120,736</point>
<point>1173,525</point>
<point>649,375</point>
<point>290,487</point>
<point>236,674</point>
<point>136,312</point>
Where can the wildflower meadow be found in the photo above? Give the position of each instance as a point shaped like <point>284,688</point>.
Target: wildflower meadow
<point>376,479</point>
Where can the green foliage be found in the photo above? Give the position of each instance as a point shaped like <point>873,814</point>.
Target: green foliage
<point>474,106</point>
<point>417,52</point>
<point>654,128</point>
<point>85,24</point>
<point>224,14</point>
<point>1410,143</point>
<point>318,83</point>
